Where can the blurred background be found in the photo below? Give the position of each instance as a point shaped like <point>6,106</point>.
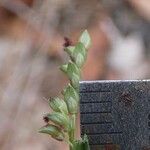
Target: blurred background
<point>31,49</point>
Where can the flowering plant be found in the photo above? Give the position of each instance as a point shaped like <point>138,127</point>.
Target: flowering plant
<point>61,123</point>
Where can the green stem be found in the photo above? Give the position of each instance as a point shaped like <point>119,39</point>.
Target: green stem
<point>72,131</point>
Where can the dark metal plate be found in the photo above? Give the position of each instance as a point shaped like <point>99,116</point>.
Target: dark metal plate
<point>116,114</point>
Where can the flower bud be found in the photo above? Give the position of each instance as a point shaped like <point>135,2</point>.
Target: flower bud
<point>71,98</point>
<point>63,68</point>
<point>58,105</point>
<point>70,50</point>
<point>85,39</point>
<point>75,81</point>
<point>70,92</point>
<point>72,69</point>
<point>80,60</point>
<point>79,54</point>
<point>59,119</point>
<point>69,69</point>
<point>72,105</point>
<point>54,131</point>
<point>80,49</point>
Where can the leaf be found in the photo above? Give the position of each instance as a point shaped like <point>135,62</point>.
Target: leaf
<point>85,39</point>
<point>82,144</point>
<point>58,105</point>
<point>52,130</point>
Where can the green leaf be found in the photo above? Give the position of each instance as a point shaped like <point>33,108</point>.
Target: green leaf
<point>58,105</point>
<point>59,119</point>
<point>82,144</point>
<point>85,39</point>
<point>54,131</point>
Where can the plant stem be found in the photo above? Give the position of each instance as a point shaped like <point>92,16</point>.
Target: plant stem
<point>72,131</point>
